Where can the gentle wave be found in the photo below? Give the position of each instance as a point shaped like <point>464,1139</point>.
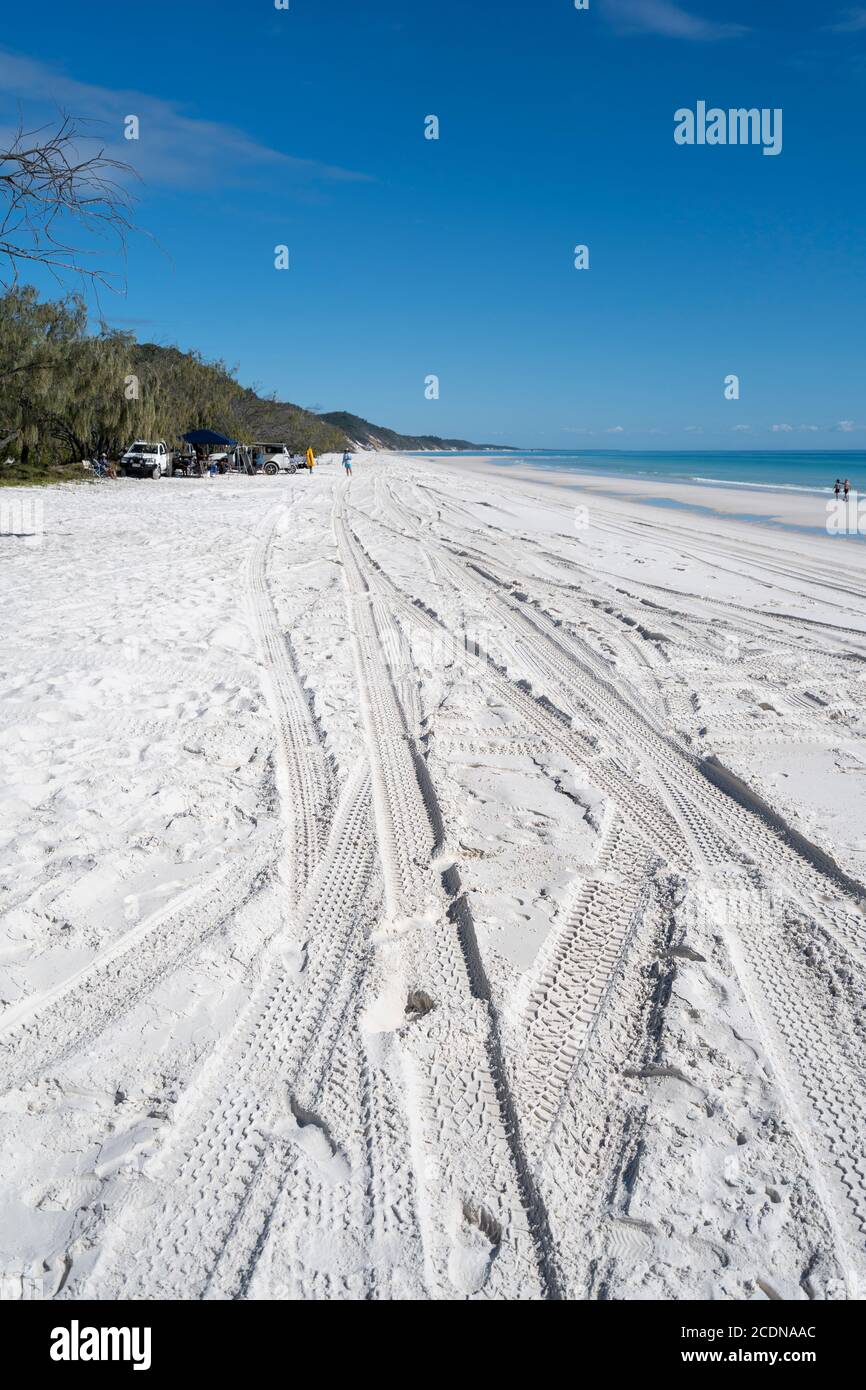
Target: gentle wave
<point>764,487</point>
<point>771,471</point>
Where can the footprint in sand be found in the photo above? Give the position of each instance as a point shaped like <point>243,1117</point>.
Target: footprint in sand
<point>307,1133</point>
<point>476,1237</point>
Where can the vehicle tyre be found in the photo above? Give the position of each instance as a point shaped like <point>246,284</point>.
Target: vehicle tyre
<point>177,472</point>
<point>271,469</point>
<point>292,468</point>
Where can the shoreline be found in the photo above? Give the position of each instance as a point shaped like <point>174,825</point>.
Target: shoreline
<point>802,512</point>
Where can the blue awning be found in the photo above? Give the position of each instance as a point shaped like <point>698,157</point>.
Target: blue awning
<point>208,437</point>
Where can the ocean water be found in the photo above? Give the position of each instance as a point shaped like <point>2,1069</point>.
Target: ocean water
<point>770,470</point>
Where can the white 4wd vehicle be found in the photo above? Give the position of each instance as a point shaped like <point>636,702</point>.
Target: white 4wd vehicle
<point>146,460</point>
<point>275,458</point>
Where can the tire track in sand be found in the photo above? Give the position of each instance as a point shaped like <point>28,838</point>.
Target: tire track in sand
<point>477,1225</point>
<point>560,1000</point>
<point>214,1183</point>
<point>46,1030</point>
<point>304,777</point>
<point>817,1064</point>
<point>639,804</point>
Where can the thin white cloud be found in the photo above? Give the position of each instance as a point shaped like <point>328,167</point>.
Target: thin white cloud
<point>173,148</point>
<point>694,429</point>
<point>742,429</point>
<point>845,426</point>
<point>782,429</point>
<point>669,19</point>
<point>808,429</point>
<point>853,21</point>
<point>616,429</point>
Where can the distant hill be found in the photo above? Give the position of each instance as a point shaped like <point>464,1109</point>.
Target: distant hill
<point>363,435</point>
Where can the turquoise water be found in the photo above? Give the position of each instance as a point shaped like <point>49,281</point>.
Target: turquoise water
<point>770,470</point>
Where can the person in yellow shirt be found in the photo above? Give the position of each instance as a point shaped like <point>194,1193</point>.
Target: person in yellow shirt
<point>311,459</point>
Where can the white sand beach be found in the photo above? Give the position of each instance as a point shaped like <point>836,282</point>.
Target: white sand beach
<point>444,883</point>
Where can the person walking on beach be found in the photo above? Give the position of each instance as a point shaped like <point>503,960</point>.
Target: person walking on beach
<point>347,463</point>
<point>838,488</point>
<point>847,488</point>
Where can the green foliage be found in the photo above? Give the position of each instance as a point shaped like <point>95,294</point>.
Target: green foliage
<point>180,391</point>
<point>280,423</point>
<point>35,341</point>
<point>66,395</point>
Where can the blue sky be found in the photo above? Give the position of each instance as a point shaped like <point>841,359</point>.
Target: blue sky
<point>454,257</point>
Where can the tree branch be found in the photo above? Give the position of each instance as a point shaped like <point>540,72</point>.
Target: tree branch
<point>51,194</point>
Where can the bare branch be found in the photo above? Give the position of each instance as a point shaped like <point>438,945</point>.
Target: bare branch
<point>51,193</point>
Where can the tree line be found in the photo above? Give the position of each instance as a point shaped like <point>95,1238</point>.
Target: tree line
<point>67,394</point>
